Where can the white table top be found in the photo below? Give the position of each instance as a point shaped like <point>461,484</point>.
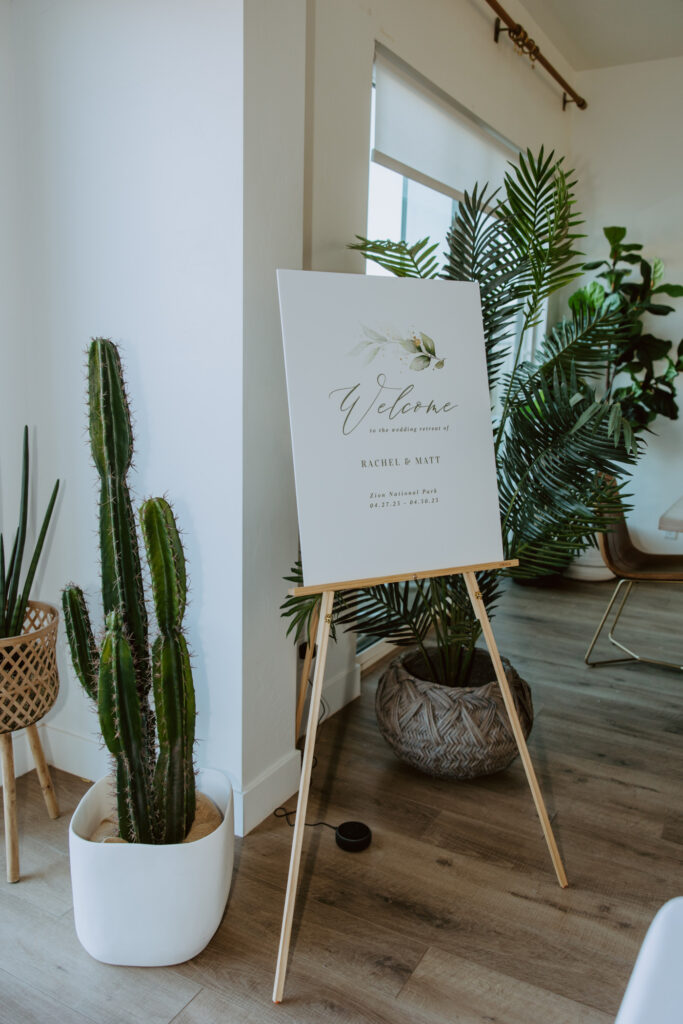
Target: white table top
<point>672,520</point>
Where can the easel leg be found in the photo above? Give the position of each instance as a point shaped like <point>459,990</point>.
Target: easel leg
<point>480,612</point>
<point>306,671</point>
<point>304,786</point>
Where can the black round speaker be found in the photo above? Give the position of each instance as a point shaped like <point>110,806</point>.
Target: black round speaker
<point>353,836</point>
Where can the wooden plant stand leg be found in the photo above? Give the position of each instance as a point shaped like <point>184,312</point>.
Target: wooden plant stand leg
<point>9,797</point>
<point>43,771</point>
<point>480,612</point>
<point>304,786</point>
<point>306,670</point>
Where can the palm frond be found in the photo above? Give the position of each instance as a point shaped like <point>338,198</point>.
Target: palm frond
<point>399,258</point>
<point>560,442</point>
<point>479,249</point>
<point>584,341</point>
<point>538,213</point>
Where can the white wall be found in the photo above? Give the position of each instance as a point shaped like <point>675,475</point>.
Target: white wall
<point>275,73</point>
<point>14,377</point>
<point>129,145</point>
<point>14,404</point>
<point>628,151</point>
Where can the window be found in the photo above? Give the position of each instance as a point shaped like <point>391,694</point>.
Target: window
<point>426,150</point>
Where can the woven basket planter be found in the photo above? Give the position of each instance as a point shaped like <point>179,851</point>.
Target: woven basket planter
<point>29,682</point>
<point>454,732</point>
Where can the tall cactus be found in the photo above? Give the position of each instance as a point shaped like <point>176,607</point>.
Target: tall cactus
<point>171,673</point>
<point>155,789</point>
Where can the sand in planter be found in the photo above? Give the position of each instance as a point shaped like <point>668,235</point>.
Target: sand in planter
<point>206,820</point>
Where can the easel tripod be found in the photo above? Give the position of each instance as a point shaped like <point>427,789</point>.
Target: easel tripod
<point>323,633</point>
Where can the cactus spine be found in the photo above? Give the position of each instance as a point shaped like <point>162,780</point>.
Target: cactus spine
<point>155,792</point>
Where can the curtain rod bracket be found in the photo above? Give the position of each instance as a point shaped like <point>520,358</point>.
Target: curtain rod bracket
<point>524,45</point>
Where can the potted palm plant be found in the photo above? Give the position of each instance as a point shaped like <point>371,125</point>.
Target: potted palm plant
<point>556,440</point>
<point>155,896</point>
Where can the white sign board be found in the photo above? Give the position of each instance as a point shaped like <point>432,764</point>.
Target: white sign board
<point>391,425</point>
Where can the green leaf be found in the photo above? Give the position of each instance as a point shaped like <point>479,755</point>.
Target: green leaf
<point>657,271</point>
<point>408,345</point>
<point>674,290</point>
<point>659,309</point>
<point>399,258</point>
<point>373,335</point>
<point>614,235</point>
<point>593,265</point>
<point>420,363</point>
<point>359,347</point>
<point>591,297</point>
<point>439,365</point>
<point>428,344</point>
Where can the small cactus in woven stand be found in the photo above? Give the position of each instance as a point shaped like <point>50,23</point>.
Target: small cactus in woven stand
<point>152,749</point>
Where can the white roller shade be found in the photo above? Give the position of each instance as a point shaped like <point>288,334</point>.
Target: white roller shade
<point>424,134</point>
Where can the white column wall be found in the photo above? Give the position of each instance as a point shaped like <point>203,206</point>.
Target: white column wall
<point>14,366</point>
<point>129,148</point>
<point>628,152</point>
<point>275,73</point>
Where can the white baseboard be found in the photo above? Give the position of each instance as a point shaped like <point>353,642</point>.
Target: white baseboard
<point>78,755</point>
<point>280,781</point>
<point>84,756</point>
<point>267,791</point>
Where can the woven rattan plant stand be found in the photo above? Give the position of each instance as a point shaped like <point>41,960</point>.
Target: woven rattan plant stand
<point>29,684</point>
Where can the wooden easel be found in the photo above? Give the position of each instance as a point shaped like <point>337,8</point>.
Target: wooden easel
<point>323,634</point>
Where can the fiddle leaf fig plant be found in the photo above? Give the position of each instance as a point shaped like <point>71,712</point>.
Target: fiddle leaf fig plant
<point>640,368</point>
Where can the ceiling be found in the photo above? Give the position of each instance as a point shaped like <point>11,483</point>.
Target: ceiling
<point>604,33</point>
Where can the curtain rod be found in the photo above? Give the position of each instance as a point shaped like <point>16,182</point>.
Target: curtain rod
<point>527,45</point>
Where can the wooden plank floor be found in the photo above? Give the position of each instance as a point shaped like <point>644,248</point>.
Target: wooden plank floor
<point>453,914</point>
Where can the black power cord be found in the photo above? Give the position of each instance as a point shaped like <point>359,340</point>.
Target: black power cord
<point>282,812</point>
<point>352,836</point>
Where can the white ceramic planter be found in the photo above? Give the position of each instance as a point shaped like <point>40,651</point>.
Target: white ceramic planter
<point>149,906</point>
<point>589,566</point>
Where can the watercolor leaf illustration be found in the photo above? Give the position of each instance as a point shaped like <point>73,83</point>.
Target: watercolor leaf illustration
<point>418,345</point>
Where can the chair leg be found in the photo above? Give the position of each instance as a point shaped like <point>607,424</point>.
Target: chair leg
<point>9,796</point>
<point>43,771</point>
<point>631,656</point>
<point>603,620</point>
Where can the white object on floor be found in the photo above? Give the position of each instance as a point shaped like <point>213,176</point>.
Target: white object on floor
<point>654,994</point>
<point>589,566</point>
<point>149,906</point>
<point>672,520</point>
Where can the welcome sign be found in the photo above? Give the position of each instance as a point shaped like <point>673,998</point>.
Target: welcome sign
<point>391,427</point>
